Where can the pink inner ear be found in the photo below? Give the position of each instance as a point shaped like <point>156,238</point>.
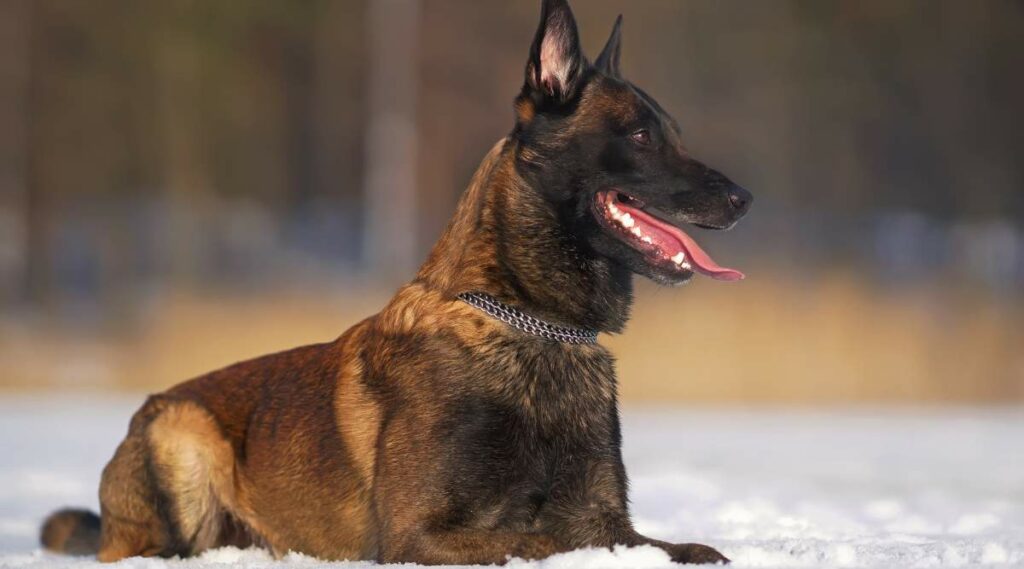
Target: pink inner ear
<point>554,57</point>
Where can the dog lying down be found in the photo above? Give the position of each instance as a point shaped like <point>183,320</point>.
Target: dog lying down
<point>475,417</point>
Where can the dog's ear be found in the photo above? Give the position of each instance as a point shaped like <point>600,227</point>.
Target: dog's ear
<point>608,61</point>
<point>556,63</point>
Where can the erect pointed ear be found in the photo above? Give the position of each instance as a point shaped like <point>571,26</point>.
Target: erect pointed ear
<point>608,61</point>
<point>556,62</point>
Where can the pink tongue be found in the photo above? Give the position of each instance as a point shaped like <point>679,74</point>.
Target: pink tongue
<point>697,256</point>
<point>704,262</point>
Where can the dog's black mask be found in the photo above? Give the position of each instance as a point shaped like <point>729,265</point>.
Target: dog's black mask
<point>611,161</point>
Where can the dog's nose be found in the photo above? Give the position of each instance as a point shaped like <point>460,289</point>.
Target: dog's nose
<point>740,198</point>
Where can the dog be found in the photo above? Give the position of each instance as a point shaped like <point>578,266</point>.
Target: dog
<point>475,418</point>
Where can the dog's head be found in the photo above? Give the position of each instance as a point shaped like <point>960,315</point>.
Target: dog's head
<point>612,162</point>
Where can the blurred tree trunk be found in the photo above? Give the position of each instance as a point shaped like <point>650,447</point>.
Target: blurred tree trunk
<point>15,38</point>
<point>299,110</point>
<point>184,178</point>
<point>391,213</point>
<point>37,286</point>
<point>339,119</point>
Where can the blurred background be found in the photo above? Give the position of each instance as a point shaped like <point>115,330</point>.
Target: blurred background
<point>187,183</point>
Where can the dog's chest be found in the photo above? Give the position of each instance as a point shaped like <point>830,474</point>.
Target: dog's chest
<point>534,421</point>
<point>553,388</point>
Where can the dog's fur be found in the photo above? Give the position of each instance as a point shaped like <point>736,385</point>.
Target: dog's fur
<point>430,432</point>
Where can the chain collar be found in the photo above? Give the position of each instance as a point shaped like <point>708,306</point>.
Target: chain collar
<point>520,321</point>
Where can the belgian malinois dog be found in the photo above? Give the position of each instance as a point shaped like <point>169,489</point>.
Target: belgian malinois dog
<point>473,419</point>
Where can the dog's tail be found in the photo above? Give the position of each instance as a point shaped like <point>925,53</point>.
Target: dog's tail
<point>72,532</point>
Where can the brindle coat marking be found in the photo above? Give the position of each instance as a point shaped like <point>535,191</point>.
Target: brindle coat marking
<point>431,432</point>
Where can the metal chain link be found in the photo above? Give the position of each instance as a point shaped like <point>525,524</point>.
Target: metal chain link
<point>520,321</point>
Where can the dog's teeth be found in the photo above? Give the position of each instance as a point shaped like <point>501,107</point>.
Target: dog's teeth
<point>646,239</point>
<point>686,265</point>
<point>679,258</point>
<point>637,232</point>
<point>627,220</point>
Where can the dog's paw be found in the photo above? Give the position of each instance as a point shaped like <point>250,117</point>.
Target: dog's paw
<point>697,554</point>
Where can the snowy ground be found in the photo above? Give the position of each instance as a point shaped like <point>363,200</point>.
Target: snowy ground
<point>768,488</point>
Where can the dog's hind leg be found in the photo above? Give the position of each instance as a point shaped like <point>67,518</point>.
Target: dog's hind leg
<point>169,488</point>
<point>194,464</point>
<point>132,521</point>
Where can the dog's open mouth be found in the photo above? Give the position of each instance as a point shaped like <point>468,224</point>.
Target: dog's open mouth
<point>661,242</point>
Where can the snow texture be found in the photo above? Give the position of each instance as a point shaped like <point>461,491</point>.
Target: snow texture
<point>778,488</point>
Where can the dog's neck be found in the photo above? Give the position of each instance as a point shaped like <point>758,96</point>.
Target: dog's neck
<point>506,241</point>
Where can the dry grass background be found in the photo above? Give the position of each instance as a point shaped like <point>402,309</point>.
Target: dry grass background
<point>832,338</point>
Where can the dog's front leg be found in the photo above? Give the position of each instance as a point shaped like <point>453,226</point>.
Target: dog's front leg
<point>420,525</point>
<point>470,547</point>
<point>609,528</point>
<point>689,553</point>
<point>594,513</point>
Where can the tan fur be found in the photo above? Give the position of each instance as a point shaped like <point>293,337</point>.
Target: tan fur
<point>358,418</point>
<point>197,466</point>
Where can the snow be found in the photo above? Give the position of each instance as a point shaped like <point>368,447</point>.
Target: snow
<point>896,488</point>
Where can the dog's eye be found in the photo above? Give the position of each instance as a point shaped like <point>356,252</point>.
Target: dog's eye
<point>642,137</point>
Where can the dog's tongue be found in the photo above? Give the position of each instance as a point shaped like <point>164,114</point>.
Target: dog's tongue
<point>702,261</point>
<point>698,258</point>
